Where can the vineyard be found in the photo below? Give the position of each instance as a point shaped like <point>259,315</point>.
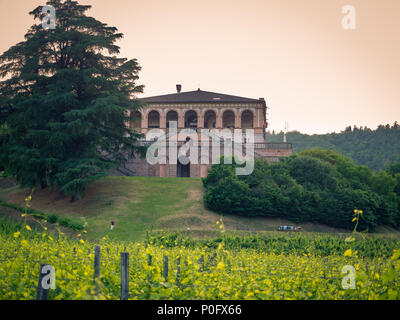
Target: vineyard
<point>165,267</point>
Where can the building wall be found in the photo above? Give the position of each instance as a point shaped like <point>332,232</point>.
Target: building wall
<point>251,115</point>
<point>258,111</point>
<point>140,167</point>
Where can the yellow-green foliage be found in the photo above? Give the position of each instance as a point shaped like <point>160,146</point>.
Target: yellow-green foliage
<point>232,274</point>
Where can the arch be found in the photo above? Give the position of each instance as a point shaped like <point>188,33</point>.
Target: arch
<point>172,115</point>
<point>135,121</point>
<point>153,119</point>
<point>228,119</point>
<point>210,119</point>
<point>247,119</point>
<point>190,119</point>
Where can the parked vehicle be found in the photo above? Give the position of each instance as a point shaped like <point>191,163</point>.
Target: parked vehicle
<point>289,228</point>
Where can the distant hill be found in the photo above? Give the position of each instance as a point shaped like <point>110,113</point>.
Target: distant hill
<point>376,149</point>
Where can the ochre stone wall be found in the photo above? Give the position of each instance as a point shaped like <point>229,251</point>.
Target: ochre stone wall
<point>256,110</point>
<point>209,115</point>
<point>140,166</point>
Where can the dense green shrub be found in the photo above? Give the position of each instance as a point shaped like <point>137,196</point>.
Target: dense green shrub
<point>75,224</point>
<point>33,212</point>
<point>315,185</point>
<point>70,223</point>
<point>64,221</point>
<point>52,218</point>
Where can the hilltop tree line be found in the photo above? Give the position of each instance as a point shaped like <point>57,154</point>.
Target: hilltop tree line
<point>318,186</point>
<point>376,149</point>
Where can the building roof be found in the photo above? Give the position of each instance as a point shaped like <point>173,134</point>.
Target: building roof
<point>199,96</point>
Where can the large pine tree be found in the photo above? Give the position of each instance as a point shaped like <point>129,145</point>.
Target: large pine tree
<point>65,99</point>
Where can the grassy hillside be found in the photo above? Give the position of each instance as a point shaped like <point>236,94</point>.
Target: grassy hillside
<point>140,204</point>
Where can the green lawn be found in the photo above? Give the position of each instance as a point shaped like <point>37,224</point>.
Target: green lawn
<point>136,204</point>
<point>140,204</point>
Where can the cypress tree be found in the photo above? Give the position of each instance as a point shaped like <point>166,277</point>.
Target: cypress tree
<point>65,101</point>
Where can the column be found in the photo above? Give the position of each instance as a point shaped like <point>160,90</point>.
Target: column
<point>218,122</point>
<point>181,118</point>
<point>163,119</point>
<point>238,119</point>
<point>144,122</point>
<point>203,171</point>
<point>163,170</point>
<point>200,118</point>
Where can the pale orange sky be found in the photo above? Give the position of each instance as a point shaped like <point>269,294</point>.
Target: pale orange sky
<point>295,53</point>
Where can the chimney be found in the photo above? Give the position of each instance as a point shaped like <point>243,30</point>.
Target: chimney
<point>178,88</point>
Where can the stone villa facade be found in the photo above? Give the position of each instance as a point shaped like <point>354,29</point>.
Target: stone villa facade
<point>197,110</point>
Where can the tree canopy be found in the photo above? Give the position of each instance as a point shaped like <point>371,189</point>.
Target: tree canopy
<point>376,149</point>
<point>65,100</point>
<point>310,186</point>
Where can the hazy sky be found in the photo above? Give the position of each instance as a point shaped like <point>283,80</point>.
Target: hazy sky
<point>294,53</point>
